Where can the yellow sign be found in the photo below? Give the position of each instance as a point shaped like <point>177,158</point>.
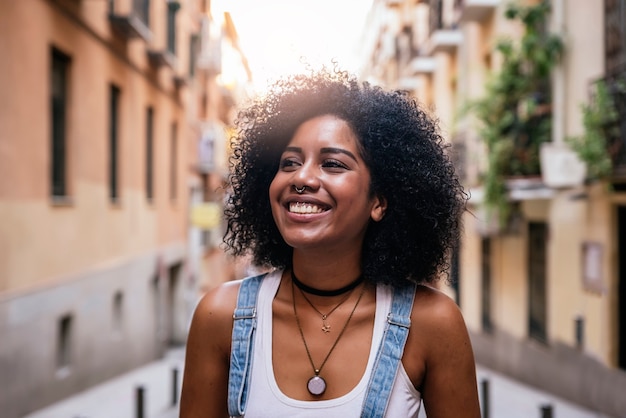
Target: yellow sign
<point>206,215</point>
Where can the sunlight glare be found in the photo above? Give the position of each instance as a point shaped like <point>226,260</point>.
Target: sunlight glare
<point>285,36</point>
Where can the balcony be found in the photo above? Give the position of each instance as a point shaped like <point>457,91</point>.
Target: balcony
<point>130,26</point>
<point>180,81</point>
<point>160,58</point>
<point>443,29</point>
<point>422,65</point>
<point>446,40</point>
<point>209,56</point>
<point>130,19</point>
<point>474,10</point>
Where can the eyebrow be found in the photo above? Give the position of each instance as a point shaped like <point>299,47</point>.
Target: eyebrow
<point>325,150</point>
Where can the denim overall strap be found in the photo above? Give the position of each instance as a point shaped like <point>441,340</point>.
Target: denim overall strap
<point>244,324</point>
<point>389,353</point>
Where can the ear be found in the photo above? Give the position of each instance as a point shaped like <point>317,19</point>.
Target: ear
<point>379,208</point>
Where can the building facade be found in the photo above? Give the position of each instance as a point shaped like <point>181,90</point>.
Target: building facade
<point>103,113</point>
<point>544,294</point>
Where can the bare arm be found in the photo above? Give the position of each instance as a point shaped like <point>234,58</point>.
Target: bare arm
<point>205,381</point>
<point>449,373</point>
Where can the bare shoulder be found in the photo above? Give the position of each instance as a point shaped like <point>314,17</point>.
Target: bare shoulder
<point>207,355</point>
<point>440,360</point>
<point>434,311</point>
<point>220,299</point>
<point>436,325</point>
<point>437,331</point>
<point>213,315</point>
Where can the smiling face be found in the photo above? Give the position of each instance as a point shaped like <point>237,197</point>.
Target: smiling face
<point>333,211</point>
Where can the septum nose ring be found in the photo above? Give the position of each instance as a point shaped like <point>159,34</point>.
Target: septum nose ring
<point>299,190</point>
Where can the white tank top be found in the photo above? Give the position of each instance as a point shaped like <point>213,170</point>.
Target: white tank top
<point>266,400</point>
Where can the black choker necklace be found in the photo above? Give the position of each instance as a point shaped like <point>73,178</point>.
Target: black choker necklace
<point>320,292</point>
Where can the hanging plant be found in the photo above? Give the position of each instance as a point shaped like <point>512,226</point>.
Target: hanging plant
<point>600,127</point>
<point>514,115</point>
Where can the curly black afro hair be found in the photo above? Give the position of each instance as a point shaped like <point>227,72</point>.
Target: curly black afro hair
<point>401,146</point>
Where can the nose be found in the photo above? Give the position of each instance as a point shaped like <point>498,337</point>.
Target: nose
<point>307,175</point>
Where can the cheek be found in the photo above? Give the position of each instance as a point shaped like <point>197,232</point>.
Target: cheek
<point>274,193</point>
<point>274,188</point>
<point>360,190</point>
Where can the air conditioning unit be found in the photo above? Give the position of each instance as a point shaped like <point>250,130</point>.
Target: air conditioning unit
<point>560,166</point>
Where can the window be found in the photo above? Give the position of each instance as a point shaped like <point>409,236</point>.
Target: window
<point>149,153</point>
<point>206,238</point>
<point>59,86</point>
<point>436,15</point>
<point>194,49</point>
<point>620,290</point>
<point>537,300</point>
<point>118,310</point>
<point>114,101</point>
<point>64,340</point>
<point>173,160</point>
<point>172,8</point>
<point>141,8</point>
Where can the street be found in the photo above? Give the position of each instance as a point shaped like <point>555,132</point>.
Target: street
<point>120,397</point>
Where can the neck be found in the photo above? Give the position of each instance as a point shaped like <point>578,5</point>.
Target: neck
<point>325,292</point>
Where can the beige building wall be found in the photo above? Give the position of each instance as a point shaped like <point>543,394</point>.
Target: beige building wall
<point>590,219</point>
<point>583,61</point>
<point>443,88</point>
<point>471,271</point>
<point>574,217</point>
<point>581,366</point>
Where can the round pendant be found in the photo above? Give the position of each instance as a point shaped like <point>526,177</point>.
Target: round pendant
<point>316,385</point>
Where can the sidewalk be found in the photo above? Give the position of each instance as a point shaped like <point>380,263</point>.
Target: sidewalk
<point>511,399</point>
<point>117,397</point>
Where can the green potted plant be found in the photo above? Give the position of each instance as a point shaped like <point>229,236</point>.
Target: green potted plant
<point>514,115</point>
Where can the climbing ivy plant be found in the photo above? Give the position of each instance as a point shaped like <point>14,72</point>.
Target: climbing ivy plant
<point>600,123</point>
<point>514,115</point>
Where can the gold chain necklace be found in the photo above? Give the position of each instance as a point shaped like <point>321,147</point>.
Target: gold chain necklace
<point>325,324</point>
<point>316,385</point>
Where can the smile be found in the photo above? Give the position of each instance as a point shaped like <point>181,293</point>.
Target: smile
<point>305,208</point>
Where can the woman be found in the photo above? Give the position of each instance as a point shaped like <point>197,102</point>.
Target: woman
<point>343,191</point>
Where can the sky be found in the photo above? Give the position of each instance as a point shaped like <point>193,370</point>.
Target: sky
<point>276,35</point>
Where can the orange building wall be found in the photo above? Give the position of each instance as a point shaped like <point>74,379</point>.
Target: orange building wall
<point>45,242</point>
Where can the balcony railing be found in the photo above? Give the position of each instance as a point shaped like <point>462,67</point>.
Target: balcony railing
<point>615,79</point>
<point>616,133</point>
<point>614,35</point>
<point>474,10</point>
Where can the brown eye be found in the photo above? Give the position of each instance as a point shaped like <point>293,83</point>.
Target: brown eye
<point>334,164</point>
<point>287,163</point>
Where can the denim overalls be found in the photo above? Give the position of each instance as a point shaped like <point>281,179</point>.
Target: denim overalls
<point>384,370</point>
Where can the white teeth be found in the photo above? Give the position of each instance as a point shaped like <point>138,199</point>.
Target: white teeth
<point>299,207</point>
